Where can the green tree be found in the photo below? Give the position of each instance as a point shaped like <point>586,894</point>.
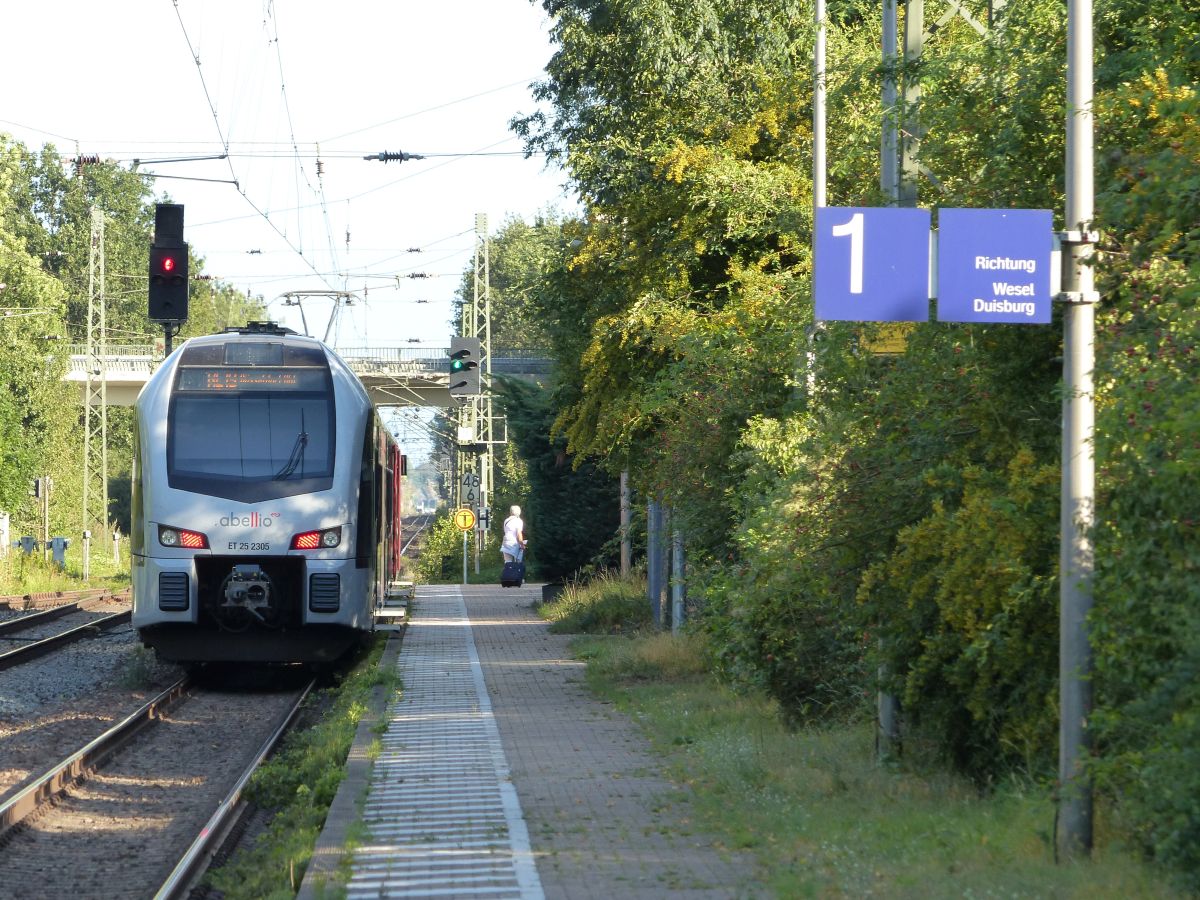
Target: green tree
<point>47,210</point>
<point>678,126</point>
<point>571,511</point>
<point>517,257</point>
<point>1145,625</point>
<point>903,509</point>
<point>31,361</point>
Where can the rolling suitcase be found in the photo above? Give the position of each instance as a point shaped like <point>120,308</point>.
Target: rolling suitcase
<point>513,573</point>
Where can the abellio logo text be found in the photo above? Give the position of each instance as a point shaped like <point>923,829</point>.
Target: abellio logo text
<point>250,520</point>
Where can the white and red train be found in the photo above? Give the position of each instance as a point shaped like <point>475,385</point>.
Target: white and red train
<point>266,502</point>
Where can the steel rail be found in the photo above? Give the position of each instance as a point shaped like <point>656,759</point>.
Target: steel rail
<point>66,596</point>
<point>46,615</point>
<point>55,612</point>
<point>24,654</point>
<point>206,845</point>
<point>82,762</point>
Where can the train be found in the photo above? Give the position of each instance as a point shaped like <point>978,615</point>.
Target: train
<point>266,502</point>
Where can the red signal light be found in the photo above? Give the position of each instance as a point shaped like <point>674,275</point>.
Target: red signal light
<point>168,264</point>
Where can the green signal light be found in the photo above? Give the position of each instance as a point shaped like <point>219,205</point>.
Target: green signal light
<point>464,367</point>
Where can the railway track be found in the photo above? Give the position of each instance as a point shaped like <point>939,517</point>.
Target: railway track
<point>115,814</point>
<point>412,534</point>
<point>52,599</point>
<point>29,632</point>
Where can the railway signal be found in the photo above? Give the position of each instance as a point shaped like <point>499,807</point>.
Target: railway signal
<point>464,366</point>
<point>168,266</point>
<point>168,284</point>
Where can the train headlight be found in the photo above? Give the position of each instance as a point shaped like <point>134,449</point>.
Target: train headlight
<point>325,539</point>
<point>170,536</point>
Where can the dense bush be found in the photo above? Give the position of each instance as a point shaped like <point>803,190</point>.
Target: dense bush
<point>572,508</point>
<point>972,595</point>
<point>1146,624</point>
<point>441,552</point>
<point>776,617</point>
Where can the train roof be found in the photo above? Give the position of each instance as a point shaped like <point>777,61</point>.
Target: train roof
<point>223,348</point>
<point>267,331</point>
<point>271,328</point>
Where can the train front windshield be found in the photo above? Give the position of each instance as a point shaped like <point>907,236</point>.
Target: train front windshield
<point>251,432</point>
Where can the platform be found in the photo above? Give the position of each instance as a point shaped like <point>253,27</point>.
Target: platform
<point>501,776</point>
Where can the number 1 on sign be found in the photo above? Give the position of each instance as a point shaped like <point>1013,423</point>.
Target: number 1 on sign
<point>853,228</point>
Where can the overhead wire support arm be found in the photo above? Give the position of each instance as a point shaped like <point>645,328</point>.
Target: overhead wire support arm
<point>340,299</point>
<point>174,159</point>
<point>393,156</point>
<point>191,178</point>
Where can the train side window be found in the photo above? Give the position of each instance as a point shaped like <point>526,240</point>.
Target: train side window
<point>364,532</point>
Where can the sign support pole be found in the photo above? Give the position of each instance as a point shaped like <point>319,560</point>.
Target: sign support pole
<point>677,570</point>
<point>887,706</point>
<point>819,181</point>
<point>464,520</point>
<point>626,546</point>
<point>654,556</point>
<point>1076,560</point>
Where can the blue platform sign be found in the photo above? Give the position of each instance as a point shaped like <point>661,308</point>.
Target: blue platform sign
<point>872,264</point>
<point>994,265</point>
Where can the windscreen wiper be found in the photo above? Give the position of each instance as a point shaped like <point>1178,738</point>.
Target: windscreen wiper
<point>296,459</point>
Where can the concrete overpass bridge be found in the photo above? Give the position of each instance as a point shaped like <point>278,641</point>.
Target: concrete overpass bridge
<point>393,376</point>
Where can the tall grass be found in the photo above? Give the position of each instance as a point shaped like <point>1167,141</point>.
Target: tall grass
<point>605,604</point>
<point>22,573</point>
<point>823,818</point>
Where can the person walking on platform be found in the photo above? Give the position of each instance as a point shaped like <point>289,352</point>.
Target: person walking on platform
<point>513,545</point>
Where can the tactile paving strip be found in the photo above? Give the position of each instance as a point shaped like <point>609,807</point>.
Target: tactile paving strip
<point>442,815</point>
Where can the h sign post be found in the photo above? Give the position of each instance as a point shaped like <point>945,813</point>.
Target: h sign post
<point>872,264</point>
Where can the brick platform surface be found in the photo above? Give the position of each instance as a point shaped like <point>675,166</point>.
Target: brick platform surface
<point>602,820</point>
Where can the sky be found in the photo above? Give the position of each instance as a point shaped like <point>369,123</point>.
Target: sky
<point>285,85</point>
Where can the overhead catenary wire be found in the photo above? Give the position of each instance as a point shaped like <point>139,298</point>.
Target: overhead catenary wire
<point>225,148</point>
<point>425,170</point>
<point>429,109</point>
<point>324,140</point>
<point>265,186</point>
<point>135,153</point>
<point>287,109</point>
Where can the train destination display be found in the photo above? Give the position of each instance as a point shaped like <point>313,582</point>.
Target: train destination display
<point>256,378</point>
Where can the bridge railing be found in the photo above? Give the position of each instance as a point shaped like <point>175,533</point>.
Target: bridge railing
<point>407,360</point>
<point>128,358</point>
<point>136,351</point>
<point>505,360</point>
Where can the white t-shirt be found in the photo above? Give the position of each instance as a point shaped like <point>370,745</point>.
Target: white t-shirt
<point>513,526</point>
